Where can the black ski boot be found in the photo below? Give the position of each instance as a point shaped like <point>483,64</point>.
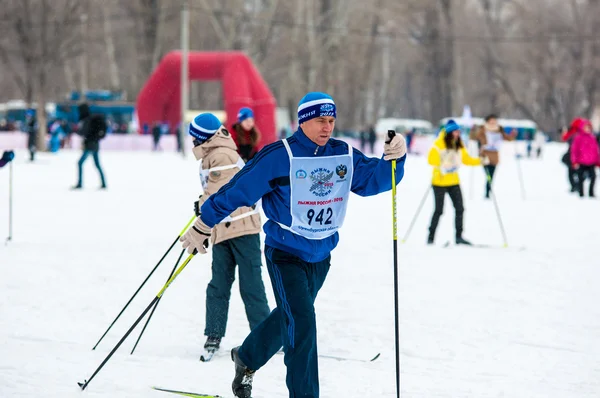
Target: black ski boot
<point>242,382</point>
<point>461,241</point>
<point>431,236</point>
<point>210,347</point>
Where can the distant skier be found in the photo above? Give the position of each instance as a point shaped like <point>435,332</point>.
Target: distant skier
<point>246,134</point>
<point>446,156</point>
<point>235,240</point>
<point>585,155</point>
<point>92,129</point>
<point>567,136</point>
<point>156,134</point>
<point>56,134</point>
<point>31,130</point>
<point>490,136</point>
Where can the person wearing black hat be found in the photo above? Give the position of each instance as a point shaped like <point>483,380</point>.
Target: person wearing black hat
<point>92,129</point>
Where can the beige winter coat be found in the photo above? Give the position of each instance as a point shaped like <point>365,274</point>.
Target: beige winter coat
<point>481,136</point>
<point>220,150</point>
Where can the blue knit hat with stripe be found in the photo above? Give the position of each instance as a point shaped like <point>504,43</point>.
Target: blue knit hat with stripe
<point>244,113</point>
<point>451,126</point>
<point>204,126</point>
<point>314,105</point>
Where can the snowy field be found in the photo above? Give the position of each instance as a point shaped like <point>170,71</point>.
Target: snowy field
<point>475,322</point>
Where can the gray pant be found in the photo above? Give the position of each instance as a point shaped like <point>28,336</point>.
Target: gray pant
<point>245,252</point>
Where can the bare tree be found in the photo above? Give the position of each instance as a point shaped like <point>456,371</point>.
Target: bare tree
<point>38,42</point>
<point>538,59</point>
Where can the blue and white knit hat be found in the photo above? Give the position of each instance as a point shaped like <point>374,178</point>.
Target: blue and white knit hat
<point>204,126</point>
<point>451,126</point>
<point>244,113</point>
<point>314,105</point>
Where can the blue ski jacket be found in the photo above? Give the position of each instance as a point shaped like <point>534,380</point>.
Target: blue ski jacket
<point>267,176</point>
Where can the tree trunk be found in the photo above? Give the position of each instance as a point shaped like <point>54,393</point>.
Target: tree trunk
<point>115,81</point>
<point>69,76</point>
<point>83,59</point>
<point>41,87</point>
<point>447,49</point>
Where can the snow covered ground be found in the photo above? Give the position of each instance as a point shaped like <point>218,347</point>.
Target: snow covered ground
<point>474,322</point>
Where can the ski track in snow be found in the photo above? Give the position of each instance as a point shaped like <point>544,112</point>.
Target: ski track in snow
<point>473,322</point>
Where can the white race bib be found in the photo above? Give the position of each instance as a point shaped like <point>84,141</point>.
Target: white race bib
<point>449,161</point>
<point>494,139</point>
<point>320,189</point>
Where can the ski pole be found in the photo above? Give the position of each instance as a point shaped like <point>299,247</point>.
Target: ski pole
<point>156,305</point>
<point>489,178</point>
<point>146,280</point>
<point>521,182</point>
<point>10,201</point>
<point>156,298</point>
<point>414,220</point>
<point>391,134</point>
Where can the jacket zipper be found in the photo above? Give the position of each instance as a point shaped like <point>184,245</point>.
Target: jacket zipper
<point>316,150</point>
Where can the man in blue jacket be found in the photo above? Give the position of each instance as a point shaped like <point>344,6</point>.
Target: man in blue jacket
<point>305,183</point>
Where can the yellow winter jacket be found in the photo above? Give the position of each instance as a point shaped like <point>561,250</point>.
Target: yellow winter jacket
<point>446,161</point>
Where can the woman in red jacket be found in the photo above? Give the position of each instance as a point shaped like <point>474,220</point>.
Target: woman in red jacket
<point>585,154</point>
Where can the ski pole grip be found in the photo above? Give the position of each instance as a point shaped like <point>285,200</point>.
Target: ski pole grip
<point>391,134</point>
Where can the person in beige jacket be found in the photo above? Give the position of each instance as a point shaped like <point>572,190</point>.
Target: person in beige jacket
<point>489,138</point>
<point>235,241</point>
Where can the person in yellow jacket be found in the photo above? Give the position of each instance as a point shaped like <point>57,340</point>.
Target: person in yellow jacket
<point>446,155</point>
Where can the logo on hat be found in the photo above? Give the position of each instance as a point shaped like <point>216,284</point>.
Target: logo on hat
<point>321,182</point>
<point>326,108</point>
<point>301,174</point>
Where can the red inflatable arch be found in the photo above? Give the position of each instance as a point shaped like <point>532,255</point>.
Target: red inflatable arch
<point>160,98</point>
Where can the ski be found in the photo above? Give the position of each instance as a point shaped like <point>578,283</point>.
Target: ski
<point>350,359</point>
<point>338,358</point>
<point>187,394</point>
<point>206,356</point>
<point>486,246</point>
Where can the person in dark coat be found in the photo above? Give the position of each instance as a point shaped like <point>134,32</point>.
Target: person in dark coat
<point>247,134</point>
<point>31,130</point>
<point>156,133</point>
<point>372,138</point>
<point>93,129</point>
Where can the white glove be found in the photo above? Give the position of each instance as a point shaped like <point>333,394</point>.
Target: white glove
<point>395,149</point>
<point>195,240</point>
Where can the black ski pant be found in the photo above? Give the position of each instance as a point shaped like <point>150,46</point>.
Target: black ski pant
<point>245,252</point>
<point>573,178</point>
<point>582,172</point>
<point>489,171</point>
<point>439,193</point>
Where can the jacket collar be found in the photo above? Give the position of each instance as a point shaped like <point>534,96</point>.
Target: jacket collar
<point>306,142</point>
<point>221,139</point>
